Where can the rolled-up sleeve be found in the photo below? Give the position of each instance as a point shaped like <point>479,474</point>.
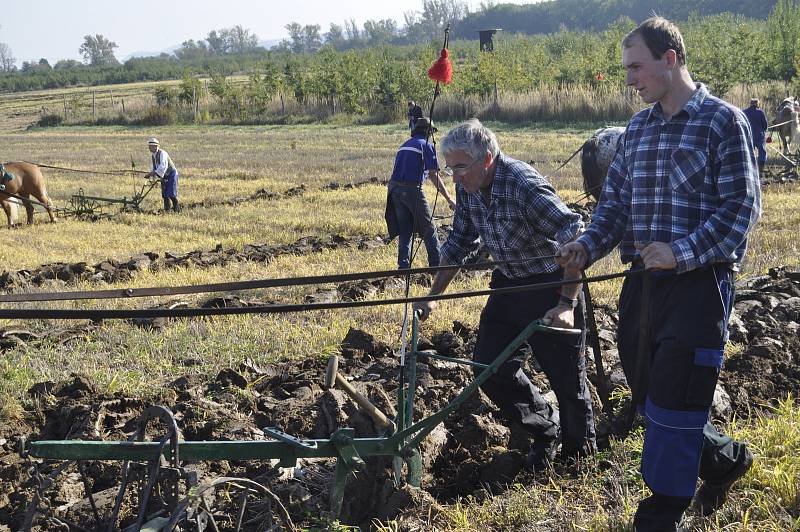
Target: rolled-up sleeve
<point>549,215</point>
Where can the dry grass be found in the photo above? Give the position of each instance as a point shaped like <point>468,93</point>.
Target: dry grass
<point>220,162</point>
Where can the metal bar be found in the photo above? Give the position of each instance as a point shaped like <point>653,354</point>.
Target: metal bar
<point>230,286</point>
<point>337,490</point>
<point>197,450</point>
<point>602,385</point>
<point>280,435</point>
<point>104,200</point>
<point>106,314</point>
<point>421,429</point>
<point>412,369</point>
<point>462,361</point>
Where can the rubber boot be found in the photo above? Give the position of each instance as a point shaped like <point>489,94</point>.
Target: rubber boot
<point>175,205</point>
<point>166,205</point>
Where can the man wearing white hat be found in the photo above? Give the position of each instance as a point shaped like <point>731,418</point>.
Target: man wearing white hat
<point>164,169</point>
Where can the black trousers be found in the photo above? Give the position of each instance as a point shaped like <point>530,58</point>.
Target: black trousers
<point>688,315</point>
<point>561,357</point>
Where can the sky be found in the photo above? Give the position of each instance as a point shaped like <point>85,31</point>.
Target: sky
<point>54,29</point>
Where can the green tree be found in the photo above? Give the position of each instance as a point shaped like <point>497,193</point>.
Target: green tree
<point>7,60</point>
<point>335,37</point>
<point>241,40</point>
<point>98,51</point>
<point>783,26</point>
<point>216,44</point>
<point>379,32</point>
<point>312,41</point>
<point>191,50</point>
<point>296,36</point>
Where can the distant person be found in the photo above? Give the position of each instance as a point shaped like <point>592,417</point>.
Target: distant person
<point>164,169</point>
<point>407,208</point>
<point>758,126</point>
<point>414,114</point>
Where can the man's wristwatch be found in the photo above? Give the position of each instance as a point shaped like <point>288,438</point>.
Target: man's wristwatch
<point>573,303</point>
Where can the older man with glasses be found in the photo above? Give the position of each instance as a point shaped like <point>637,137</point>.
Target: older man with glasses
<point>517,215</point>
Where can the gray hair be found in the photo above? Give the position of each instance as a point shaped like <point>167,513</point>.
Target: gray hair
<point>472,138</point>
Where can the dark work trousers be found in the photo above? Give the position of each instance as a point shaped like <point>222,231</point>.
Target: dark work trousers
<point>561,357</point>
<point>169,190</point>
<point>413,215</point>
<point>688,315</point>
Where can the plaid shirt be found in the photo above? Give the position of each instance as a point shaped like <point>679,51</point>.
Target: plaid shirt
<point>690,181</point>
<point>525,219</point>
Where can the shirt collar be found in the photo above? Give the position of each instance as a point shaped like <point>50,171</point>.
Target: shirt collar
<point>691,108</point>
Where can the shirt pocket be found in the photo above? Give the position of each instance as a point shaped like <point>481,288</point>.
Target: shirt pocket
<point>687,170</point>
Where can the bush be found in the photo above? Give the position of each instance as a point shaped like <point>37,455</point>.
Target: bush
<point>157,116</point>
<point>50,120</point>
<point>165,96</point>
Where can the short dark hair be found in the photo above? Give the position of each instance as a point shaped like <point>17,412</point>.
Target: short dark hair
<point>660,35</point>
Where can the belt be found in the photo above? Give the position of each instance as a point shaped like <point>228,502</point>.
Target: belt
<point>404,184</point>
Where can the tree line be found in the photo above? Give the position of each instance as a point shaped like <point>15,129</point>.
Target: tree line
<point>375,82</point>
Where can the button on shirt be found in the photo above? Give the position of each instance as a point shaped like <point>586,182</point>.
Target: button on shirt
<point>522,219</point>
<point>408,163</point>
<point>690,180</point>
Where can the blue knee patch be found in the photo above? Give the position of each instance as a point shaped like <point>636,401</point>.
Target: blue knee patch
<point>673,442</point>
<point>710,358</point>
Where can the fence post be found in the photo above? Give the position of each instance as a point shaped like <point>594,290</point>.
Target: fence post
<point>194,100</point>
<point>94,107</point>
<point>111,93</point>
<point>123,105</point>
<point>64,95</point>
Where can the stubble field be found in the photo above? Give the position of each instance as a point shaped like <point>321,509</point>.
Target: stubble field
<point>220,163</point>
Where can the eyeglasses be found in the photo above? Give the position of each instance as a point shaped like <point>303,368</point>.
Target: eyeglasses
<point>459,169</point>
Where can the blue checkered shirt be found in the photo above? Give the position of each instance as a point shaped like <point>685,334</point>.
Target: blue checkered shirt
<point>690,181</point>
<point>524,219</point>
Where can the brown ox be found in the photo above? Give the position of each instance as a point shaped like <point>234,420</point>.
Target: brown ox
<point>596,156</point>
<point>28,181</point>
<point>787,123</point>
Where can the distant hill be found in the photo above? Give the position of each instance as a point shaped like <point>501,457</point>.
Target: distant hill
<point>596,15</point>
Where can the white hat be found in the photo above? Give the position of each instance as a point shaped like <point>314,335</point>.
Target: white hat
<point>153,141</point>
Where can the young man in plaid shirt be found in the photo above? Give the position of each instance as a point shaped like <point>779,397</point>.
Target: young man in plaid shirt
<point>680,198</point>
<point>518,216</point>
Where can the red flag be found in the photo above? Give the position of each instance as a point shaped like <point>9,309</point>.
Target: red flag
<point>441,70</point>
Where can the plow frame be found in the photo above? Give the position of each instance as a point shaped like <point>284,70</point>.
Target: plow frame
<point>83,206</point>
<point>402,443</point>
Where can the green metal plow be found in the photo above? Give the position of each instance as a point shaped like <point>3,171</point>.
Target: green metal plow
<point>401,442</point>
<point>91,207</point>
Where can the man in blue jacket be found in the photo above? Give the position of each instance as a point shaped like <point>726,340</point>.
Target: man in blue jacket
<point>758,126</point>
<point>407,208</point>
